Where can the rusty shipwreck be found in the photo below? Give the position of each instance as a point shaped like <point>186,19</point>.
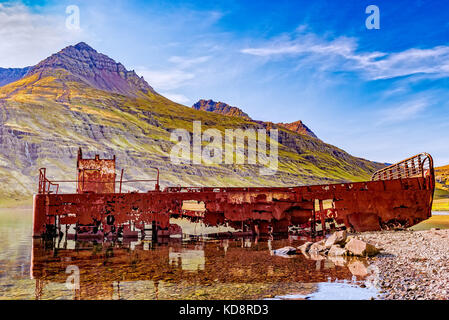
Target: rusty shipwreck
<point>397,195</point>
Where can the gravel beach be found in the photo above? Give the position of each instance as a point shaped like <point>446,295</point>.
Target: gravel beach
<point>412,264</point>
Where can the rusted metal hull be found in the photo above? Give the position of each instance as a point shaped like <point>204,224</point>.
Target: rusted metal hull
<point>404,200</point>
<point>362,206</point>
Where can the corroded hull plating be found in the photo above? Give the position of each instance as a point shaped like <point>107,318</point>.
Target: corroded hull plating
<point>400,195</point>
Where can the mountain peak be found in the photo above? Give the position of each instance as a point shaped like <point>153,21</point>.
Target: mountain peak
<point>220,107</point>
<point>298,127</point>
<point>83,46</point>
<point>93,68</point>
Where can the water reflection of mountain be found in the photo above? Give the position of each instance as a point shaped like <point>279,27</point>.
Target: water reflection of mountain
<point>107,267</point>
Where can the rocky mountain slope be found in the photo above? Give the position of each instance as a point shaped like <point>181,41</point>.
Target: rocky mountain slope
<point>95,69</point>
<point>81,98</point>
<point>298,127</point>
<point>12,74</point>
<point>221,108</point>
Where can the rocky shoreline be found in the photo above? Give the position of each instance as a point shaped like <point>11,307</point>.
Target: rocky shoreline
<point>401,265</point>
<point>412,264</point>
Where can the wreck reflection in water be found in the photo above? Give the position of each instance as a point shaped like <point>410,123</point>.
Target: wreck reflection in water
<point>177,269</point>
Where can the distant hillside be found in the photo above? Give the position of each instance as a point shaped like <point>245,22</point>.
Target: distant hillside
<point>12,74</point>
<point>81,98</point>
<point>441,194</point>
<point>442,177</point>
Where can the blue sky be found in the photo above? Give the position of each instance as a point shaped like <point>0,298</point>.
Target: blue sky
<point>378,94</point>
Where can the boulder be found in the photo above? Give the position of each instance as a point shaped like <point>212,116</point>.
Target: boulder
<point>338,237</point>
<point>358,268</point>
<point>304,248</point>
<point>349,238</point>
<point>360,248</point>
<point>317,247</point>
<point>316,256</point>
<point>285,251</point>
<point>338,260</point>
<point>336,250</point>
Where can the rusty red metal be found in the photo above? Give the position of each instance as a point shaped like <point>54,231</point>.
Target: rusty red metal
<point>95,175</point>
<point>398,195</point>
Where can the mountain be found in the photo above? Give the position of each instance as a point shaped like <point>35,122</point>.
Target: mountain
<point>81,98</point>
<point>221,108</point>
<point>95,69</point>
<point>298,127</point>
<point>12,74</point>
<point>226,109</point>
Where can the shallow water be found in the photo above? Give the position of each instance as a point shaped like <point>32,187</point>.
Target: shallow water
<point>440,213</point>
<point>172,269</point>
<point>342,290</point>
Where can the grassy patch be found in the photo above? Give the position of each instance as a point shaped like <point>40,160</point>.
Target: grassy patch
<point>440,205</point>
<point>438,221</point>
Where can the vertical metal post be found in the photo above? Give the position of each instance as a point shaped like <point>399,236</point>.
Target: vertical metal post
<point>313,222</point>
<point>121,179</point>
<point>323,220</point>
<point>157,186</point>
<point>154,231</point>
<point>83,181</point>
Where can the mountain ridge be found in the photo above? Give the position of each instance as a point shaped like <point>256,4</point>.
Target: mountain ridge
<point>225,109</point>
<point>299,127</point>
<point>221,108</point>
<point>8,75</point>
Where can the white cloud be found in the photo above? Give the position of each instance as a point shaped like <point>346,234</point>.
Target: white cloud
<point>167,79</point>
<point>403,112</point>
<point>186,62</point>
<point>341,54</point>
<point>176,97</point>
<point>26,37</point>
<point>173,77</point>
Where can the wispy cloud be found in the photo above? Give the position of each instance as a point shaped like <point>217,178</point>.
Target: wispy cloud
<point>187,62</point>
<point>26,37</point>
<point>174,77</point>
<point>167,79</point>
<point>404,111</point>
<point>342,54</point>
<point>176,97</point>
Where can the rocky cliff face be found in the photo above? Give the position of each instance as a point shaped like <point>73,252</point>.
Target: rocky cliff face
<point>221,108</point>
<point>95,69</point>
<point>12,74</point>
<point>298,127</point>
<point>81,98</point>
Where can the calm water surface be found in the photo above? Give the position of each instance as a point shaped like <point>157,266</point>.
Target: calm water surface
<point>175,269</point>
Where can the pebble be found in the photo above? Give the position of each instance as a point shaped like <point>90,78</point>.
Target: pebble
<point>413,264</point>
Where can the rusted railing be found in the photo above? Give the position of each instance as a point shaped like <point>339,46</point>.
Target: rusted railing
<point>45,184</point>
<point>418,165</point>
